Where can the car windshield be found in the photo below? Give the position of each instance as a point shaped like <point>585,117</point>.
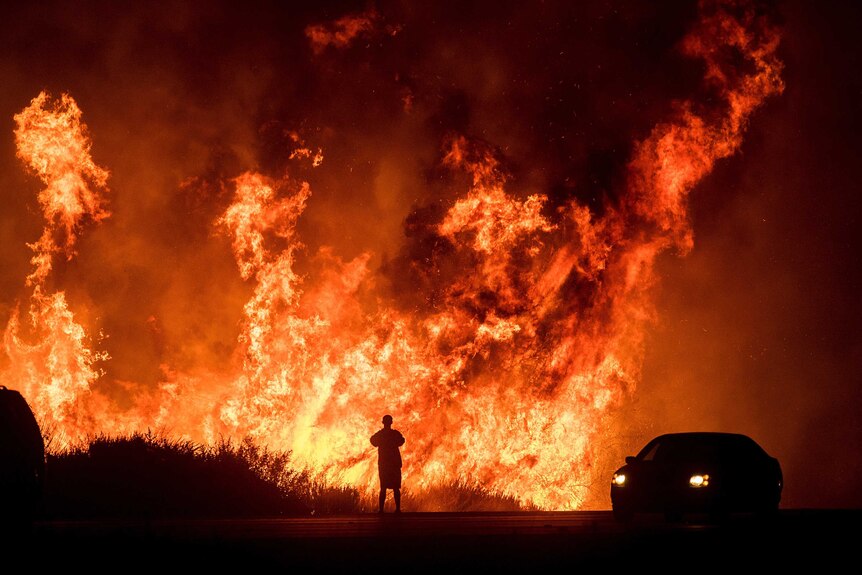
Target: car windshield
<point>677,448</point>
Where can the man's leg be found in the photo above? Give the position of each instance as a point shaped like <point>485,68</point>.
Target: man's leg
<point>382,498</point>
<point>397,493</point>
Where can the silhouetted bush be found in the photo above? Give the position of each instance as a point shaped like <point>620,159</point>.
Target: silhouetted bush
<point>149,476</point>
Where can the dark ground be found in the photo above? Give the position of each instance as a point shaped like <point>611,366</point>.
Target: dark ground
<point>443,543</point>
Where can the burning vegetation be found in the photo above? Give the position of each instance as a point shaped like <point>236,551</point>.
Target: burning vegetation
<point>503,333</point>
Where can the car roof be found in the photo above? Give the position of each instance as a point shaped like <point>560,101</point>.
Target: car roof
<point>704,435</point>
<point>715,438</point>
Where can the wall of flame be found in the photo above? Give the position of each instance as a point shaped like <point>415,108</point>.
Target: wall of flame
<point>503,324</point>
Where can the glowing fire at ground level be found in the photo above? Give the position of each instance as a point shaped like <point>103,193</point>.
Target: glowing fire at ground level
<point>509,378</point>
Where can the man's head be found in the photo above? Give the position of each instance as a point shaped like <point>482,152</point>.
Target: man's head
<point>387,420</point>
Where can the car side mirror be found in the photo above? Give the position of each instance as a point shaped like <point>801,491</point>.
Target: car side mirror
<point>631,459</point>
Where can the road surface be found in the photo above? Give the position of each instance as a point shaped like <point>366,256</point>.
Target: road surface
<point>544,542</point>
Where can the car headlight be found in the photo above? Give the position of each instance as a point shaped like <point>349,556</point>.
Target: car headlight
<point>697,480</point>
<point>619,479</point>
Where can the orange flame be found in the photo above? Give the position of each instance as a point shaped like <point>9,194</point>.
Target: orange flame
<point>56,371</point>
<point>531,338</point>
<point>680,153</point>
<point>52,141</point>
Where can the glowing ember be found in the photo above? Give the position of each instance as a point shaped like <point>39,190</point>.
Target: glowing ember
<point>533,333</point>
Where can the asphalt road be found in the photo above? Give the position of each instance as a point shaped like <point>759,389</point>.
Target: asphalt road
<point>547,542</point>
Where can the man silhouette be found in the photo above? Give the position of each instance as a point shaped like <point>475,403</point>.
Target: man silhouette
<point>387,441</point>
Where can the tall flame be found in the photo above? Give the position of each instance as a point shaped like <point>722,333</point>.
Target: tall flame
<point>533,334</point>
<point>56,369</point>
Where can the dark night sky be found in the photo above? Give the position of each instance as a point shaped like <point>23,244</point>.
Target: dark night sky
<point>759,324</point>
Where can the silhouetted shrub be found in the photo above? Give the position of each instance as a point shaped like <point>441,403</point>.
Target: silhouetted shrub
<point>143,475</point>
<point>149,476</point>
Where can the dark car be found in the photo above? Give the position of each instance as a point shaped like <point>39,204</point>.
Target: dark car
<point>698,472</point>
<point>22,458</point>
